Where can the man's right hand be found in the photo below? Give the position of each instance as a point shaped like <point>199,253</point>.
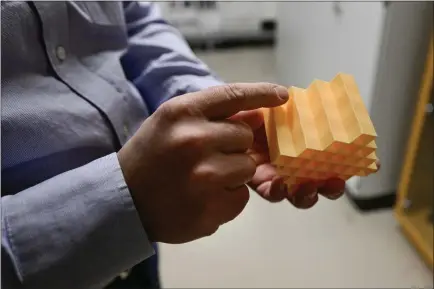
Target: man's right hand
<point>187,166</point>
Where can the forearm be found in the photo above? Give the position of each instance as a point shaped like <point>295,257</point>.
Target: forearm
<point>159,61</point>
<point>77,230</point>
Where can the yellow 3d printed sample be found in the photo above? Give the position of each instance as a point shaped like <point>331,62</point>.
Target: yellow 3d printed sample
<point>323,131</point>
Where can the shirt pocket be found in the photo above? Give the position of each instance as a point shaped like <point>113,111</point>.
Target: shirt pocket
<point>96,27</point>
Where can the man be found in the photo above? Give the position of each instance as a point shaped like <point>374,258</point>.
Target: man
<point>95,168</point>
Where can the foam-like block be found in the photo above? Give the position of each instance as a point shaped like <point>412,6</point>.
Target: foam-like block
<point>321,132</point>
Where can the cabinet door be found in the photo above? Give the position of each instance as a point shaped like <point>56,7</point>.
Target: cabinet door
<point>401,62</point>
<point>316,40</point>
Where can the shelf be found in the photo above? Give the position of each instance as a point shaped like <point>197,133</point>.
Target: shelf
<point>419,230</point>
<point>416,188</point>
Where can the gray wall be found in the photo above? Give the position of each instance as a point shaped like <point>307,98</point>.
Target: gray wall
<point>400,67</point>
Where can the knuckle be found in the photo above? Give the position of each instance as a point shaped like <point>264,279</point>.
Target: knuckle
<point>167,111</point>
<point>205,172</point>
<point>234,92</point>
<point>241,131</point>
<point>176,109</point>
<point>189,109</point>
<point>193,139</point>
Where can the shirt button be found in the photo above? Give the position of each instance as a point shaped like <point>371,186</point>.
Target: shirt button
<point>124,275</point>
<point>61,53</point>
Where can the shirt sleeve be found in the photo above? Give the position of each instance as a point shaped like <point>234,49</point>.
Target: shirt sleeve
<point>158,60</point>
<point>79,229</point>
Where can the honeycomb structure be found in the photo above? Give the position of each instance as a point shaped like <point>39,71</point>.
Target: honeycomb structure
<point>321,132</point>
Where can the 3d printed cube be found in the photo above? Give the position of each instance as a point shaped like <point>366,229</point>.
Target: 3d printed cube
<point>321,132</point>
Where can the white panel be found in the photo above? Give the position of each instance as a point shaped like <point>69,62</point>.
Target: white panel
<point>381,47</point>
<point>316,40</point>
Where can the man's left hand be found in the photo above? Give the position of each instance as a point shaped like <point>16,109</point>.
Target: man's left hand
<point>267,182</point>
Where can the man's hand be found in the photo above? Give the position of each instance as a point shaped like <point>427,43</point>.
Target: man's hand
<point>187,166</point>
<point>266,180</point>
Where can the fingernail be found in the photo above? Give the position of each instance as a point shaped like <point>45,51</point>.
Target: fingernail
<point>282,92</point>
<point>312,195</point>
<point>307,202</point>
<point>336,195</point>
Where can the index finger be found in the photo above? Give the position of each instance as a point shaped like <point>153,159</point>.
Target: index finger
<point>221,102</point>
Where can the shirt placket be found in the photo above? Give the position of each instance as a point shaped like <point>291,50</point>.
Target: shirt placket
<point>87,85</point>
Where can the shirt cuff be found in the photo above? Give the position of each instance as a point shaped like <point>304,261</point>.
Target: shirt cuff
<point>79,229</point>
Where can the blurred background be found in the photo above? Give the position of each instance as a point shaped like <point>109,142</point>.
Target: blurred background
<point>381,233</point>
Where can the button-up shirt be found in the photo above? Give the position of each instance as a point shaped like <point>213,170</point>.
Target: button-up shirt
<point>77,80</point>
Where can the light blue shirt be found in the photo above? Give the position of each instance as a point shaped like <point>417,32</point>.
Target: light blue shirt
<point>77,80</point>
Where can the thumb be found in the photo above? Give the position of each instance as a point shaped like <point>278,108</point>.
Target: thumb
<point>253,118</point>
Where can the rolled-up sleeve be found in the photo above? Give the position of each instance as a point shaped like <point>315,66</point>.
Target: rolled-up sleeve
<point>158,60</point>
<point>77,230</point>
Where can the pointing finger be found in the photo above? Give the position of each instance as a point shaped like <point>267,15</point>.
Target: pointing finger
<point>220,102</point>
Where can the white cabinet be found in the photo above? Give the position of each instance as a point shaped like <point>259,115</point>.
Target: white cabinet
<point>320,39</point>
<point>379,46</point>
